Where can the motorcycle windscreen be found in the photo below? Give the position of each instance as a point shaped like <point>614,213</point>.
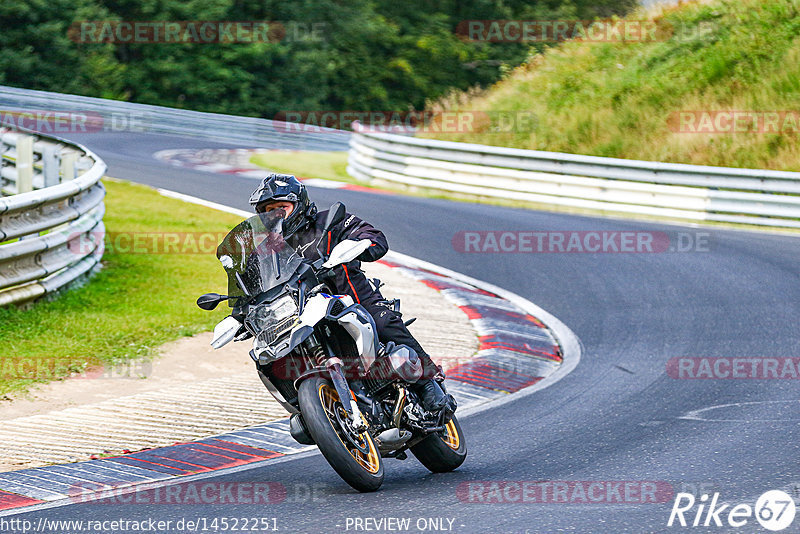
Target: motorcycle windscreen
<point>256,251</point>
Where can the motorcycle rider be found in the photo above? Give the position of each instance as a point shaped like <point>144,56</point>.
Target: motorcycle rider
<point>303,226</point>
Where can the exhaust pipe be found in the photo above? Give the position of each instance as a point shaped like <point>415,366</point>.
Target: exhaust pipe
<point>393,438</point>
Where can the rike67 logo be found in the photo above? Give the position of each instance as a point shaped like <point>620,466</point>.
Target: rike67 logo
<point>774,510</point>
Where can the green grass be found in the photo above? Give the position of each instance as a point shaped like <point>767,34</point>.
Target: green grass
<point>137,302</point>
<point>616,99</point>
<point>306,164</point>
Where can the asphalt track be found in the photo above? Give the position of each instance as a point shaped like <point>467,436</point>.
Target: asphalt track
<point>616,417</point>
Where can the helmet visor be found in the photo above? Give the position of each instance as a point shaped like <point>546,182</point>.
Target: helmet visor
<point>286,206</point>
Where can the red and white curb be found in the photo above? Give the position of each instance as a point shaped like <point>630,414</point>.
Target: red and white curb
<point>522,349</point>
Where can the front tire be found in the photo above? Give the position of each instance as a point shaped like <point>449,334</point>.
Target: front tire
<point>354,457</point>
<point>443,451</point>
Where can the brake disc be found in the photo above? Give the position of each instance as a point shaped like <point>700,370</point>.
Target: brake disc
<point>347,429</point>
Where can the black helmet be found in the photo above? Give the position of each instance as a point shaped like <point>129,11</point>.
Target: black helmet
<point>286,187</point>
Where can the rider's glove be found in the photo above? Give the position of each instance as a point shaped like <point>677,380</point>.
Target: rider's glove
<point>326,275</point>
<point>439,376</point>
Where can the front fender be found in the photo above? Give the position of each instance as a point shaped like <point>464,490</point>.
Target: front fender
<point>298,335</point>
<point>316,371</point>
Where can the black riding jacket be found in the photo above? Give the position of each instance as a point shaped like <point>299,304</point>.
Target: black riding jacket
<point>350,279</point>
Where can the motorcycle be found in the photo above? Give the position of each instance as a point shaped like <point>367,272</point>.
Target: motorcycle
<point>319,356</point>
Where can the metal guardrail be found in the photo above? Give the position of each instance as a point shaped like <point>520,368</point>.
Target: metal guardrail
<point>688,192</point>
<point>99,115</point>
<point>51,214</point>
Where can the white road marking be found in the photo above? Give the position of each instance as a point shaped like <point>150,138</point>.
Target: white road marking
<point>696,415</point>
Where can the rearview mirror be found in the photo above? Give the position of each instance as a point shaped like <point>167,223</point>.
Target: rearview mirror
<point>335,215</point>
<point>209,301</point>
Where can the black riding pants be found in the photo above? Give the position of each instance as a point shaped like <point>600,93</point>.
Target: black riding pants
<point>391,328</point>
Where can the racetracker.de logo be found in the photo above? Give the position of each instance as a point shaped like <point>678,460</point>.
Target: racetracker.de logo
<point>569,241</point>
<point>52,121</point>
<point>153,242</point>
<point>544,31</point>
<point>55,367</point>
<point>187,493</point>
<point>565,492</point>
<point>62,122</point>
<point>560,241</point>
<point>320,121</point>
<point>733,368</point>
<point>195,31</point>
<point>784,122</point>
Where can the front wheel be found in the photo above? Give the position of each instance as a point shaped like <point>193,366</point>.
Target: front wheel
<point>442,451</point>
<point>354,456</point>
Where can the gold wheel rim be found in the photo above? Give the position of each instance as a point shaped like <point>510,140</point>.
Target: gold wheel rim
<point>450,436</point>
<point>371,461</point>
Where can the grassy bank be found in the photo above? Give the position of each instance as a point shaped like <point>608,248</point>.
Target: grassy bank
<point>624,99</point>
<point>305,163</point>
<point>144,295</point>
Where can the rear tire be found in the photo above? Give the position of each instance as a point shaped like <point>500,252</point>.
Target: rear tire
<point>442,452</point>
<point>354,457</point>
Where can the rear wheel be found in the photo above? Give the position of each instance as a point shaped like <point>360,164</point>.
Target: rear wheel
<point>354,456</point>
<point>442,451</point>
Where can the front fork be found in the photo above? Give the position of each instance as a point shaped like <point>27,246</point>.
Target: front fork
<point>334,366</point>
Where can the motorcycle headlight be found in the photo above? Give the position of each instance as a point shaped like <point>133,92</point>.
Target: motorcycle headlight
<point>283,307</point>
<point>271,320</point>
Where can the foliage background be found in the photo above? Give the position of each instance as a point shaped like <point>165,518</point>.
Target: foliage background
<point>374,55</point>
<point>622,99</point>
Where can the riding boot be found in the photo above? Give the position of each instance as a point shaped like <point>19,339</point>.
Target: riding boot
<point>433,398</point>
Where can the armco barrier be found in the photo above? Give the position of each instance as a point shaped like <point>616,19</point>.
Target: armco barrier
<point>689,192</point>
<point>100,115</point>
<point>51,214</point>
